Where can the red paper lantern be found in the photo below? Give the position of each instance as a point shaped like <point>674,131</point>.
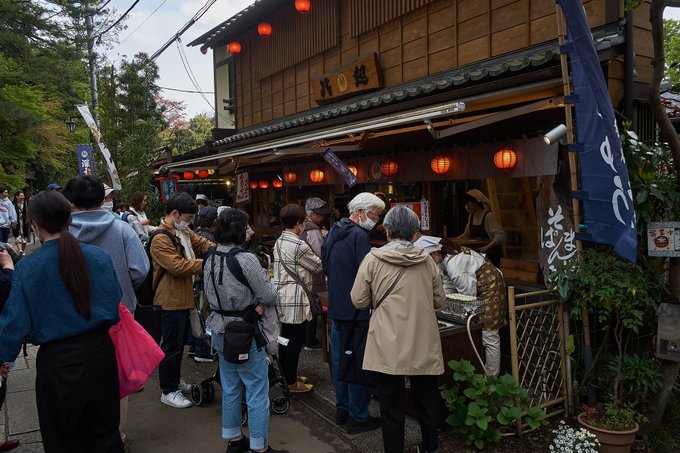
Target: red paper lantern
<point>188,175</point>
<point>440,164</point>
<point>353,169</point>
<point>263,184</point>
<point>264,29</point>
<point>277,183</point>
<point>235,47</point>
<point>253,185</point>
<point>316,176</point>
<point>389,167</point>
<point>203,174</point>
<point>204,50</point>
<point>290,177</point>
<point>505,159</point>
<point>302,6</point>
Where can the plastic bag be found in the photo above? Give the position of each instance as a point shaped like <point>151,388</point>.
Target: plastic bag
<point>137,353</point>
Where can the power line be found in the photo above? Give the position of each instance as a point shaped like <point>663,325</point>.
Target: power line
<point>119,19</point>
<point>186,26</point>
<point>138,27</point>
<point>186,91</point>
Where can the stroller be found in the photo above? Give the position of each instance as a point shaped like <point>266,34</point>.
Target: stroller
<point>203,393</point>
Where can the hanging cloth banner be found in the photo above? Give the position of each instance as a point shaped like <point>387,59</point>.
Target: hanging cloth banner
<point>110,165</point>
<point>85,160</point>
<point>609,213</point>
<point>340,167</point>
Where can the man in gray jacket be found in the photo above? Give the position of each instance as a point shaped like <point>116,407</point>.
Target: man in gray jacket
<point>96,226</point>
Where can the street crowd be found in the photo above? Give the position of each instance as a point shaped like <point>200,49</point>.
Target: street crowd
<point>257,304</point>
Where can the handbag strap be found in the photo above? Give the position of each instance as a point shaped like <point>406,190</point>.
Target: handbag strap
<point>294,276</point>
<point>387,293</point>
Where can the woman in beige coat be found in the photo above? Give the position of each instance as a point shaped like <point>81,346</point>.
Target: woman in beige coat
<point>403,286</point>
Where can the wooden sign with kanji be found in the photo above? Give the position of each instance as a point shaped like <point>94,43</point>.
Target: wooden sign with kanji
<point>361,75</point>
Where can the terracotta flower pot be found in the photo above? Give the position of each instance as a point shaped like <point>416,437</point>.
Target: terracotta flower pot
<point>611,441</point>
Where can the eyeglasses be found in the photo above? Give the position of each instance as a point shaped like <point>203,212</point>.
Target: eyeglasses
<point>373,215</point>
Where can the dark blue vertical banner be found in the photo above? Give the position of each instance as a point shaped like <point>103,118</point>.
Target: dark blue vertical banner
<point>85,160</point>
<point>339,166</point>
<point>608,210</point>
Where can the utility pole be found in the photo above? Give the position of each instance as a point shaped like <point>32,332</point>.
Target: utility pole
<point>89,25</point>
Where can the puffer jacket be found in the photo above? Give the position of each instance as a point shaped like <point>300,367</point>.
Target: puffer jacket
<point>175,290</point>
<point>403,338</point>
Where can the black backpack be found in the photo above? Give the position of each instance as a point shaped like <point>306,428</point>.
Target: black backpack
<point>147,289</point>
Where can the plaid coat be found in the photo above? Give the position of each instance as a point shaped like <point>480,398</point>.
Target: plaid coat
<point>293,305</point>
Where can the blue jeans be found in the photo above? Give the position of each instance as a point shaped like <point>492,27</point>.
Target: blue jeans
<point>348,397</point>
<point>174,337</point>
<point>252,374</point>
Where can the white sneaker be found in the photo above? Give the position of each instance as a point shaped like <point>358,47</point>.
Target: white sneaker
<point>183,386</point>
<point>176,399</point>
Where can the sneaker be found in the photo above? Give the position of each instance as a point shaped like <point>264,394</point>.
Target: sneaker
<point>355,427</point>
<point>175,399</point>
<point>302,379</point>
<point>300,387</point>
<point>341,417</point>
<point>204,358</point>
<point>183,386</point>
<point>313,347</point>
<point>239,446</point>
<point>271,450</point>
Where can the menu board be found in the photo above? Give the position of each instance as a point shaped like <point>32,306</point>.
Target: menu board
<point>663,239</point>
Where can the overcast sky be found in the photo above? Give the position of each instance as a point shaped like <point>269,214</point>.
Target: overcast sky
<point>148,31</point>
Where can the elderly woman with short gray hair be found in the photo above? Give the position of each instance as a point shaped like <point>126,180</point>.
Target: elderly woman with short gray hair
<point>403,286</point>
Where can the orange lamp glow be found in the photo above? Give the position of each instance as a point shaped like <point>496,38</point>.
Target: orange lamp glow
<point>263,184</point>
<point>277,183</point>
<point>389,167</point>
<point>316,176</point>
<point>353,169</point>
<point>253,185</point>
<point>440,164</point>
<point>290,177</point>
<point>505,159</point>
<point>203,174</point>
<point>264,29</point>
<point>303,6</point>
<point>235,47</point>
<point>188,175</point>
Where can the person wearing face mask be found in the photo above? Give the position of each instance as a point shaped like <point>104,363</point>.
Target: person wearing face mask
<point>345,247</point>
<point>175,257</point>
<point>294,260</point>
<point>92,223</point>
<point>109,194</point>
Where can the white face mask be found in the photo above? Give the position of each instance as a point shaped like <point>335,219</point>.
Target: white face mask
<point>180,224</point>
<point>108,205</point>
<point>367,224</point>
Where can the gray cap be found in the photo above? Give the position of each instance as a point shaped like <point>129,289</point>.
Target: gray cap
<point>318,206</point>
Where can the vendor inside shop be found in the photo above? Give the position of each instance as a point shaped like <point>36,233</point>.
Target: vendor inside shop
<point>482,224</point>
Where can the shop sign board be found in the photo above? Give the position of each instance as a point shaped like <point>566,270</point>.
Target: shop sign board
<point>422,210</point>
<point>242,187</point>
<point>168,188</point>
<point>663,239</point>
<point>361,75</point>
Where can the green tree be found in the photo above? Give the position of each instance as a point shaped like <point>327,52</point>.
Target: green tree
<point>671,47</point>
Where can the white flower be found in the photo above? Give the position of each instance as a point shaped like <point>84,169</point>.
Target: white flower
<point>568,440</point>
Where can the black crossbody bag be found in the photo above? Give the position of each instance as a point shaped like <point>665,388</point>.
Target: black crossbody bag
<point>314,301</point>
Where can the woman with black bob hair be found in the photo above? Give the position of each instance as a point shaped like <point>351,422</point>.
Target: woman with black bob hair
<point>66,295</point>
<point>230,295</point>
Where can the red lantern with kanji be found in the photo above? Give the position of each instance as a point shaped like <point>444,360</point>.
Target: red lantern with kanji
<point>316,176</point>
<point>353,169</point>
<point>264,29</point>
<point>505,159</point>
<point>290,177</point>
<point>203,174</point>
<point>277,183</point>
<point>303,6</point>
<point>389,167</point>
<point>235,47</point>
<point>263,184</point>
<point>440,164</point>
<point>188,175</point>
<point>253,185</point>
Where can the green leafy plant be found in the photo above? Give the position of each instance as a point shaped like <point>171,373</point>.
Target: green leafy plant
<point>622,297</point>
<point>481,405</point>
<point>612,417</point>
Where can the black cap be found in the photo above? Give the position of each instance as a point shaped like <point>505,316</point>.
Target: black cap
<point>208,212</point>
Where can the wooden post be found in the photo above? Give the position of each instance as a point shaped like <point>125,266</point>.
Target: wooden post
<point>576,209</point>
<point>512,315</point>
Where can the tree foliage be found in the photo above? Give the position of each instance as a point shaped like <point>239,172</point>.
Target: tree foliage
<point>671,45</point>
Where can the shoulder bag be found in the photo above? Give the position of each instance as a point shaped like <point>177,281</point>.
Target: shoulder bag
<point>314,301</point>
<point>353,336</point>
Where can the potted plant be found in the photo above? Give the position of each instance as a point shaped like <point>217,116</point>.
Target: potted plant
<point>621,296</point>
<point>570,440</point>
